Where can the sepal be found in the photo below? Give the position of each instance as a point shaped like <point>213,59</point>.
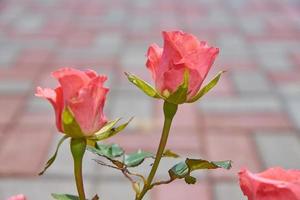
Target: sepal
<point>143,85</point>
<point>109,130</point>
<point>206,88</point>
<point>52,159</point>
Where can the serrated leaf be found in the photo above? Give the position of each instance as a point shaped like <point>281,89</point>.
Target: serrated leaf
<point>135,159</point>
<point>171,154</point>
<point>180,95</point>
<point>110,151</point>
<point>206,88</point>
<point>64,197</point>
<point>52,159</point>
<point>109,130</point>
<point>178,171</point>
<point>195,164</point>
<point>143,85</point>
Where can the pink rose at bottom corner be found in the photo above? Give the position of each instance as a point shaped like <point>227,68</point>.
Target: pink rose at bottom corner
<point>17,197</point>
<point>273,184</point>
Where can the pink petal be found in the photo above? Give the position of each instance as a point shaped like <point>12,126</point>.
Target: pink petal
<point>55,97</point>
<point>154,55</point>
<point>17,197</point>
<point>88,106</point>
<point>91,73</point>
<point>274,183</point>
<point>71,80</point>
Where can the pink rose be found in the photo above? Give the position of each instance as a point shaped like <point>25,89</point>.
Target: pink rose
<point>181,52</point>
<point>17,197</point>
<point>83,94</point>
<point>272,184</point>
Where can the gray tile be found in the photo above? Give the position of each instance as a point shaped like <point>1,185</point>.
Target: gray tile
<point>228,191</point>
<point>279,149</point>
<point>251,82</point>
<point>244,104</point>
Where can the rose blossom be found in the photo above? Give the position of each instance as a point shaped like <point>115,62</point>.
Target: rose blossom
<point>82,93</point>
<point>17,197</point>
<point>181,52</point>
<point>272,184</point>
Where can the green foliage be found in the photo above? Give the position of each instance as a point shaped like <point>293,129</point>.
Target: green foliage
<point>110,151</point>
<point>143,85</point>
<point>135,159</point>
<point>184,169</point>
<point>180,95</point>
<point>69,197</point>
<point>70,125</point>
<point>64,197</point>
<point>52,159</point>
<point>109,130</point>
<point>169,153</point>
<point>206,88</point>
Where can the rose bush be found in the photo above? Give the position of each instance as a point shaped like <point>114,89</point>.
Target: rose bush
<point>272,184</point>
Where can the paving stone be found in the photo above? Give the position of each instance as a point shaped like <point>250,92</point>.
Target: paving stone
<point>251,82</point>
<point>268,144</point>
<point>19,155</point>
<point>7,56</point>
<point>8,87</point>
<point>39,187</point>
<point>294,111</point>
<point>223,145</point>
<point>289,90</point>
<point>228,191</point>
<point>275,62</point>
<point>134,57</point>
<point>249,121</point>
<point>29,23</point>
<point>131,104</point>
<point>111,43</point>
<point>249,104</point>
<point>115,190</point>
<point>181,190</point>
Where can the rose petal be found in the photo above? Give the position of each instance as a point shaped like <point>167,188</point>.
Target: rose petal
<point>88,106</point>
<point>71,80</point>
<point>55,97</point>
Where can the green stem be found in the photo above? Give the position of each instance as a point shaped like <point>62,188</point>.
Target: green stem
<point>78,149</point>
<point>169,112</point>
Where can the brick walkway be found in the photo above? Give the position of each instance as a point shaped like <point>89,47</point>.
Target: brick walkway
<point>251,117</point>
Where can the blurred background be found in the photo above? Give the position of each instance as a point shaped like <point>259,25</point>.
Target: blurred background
<point>252,117</point>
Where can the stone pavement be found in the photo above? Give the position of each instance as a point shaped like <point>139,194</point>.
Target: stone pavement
<point>251,117</point>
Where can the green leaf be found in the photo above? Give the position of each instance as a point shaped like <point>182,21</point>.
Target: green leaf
<point>70,126</point>
<point>190,180</point>
<point>195,164</point>
<point>183,169</point>
<point>52,159</point>
<point>110,151</point>
<point>135,159</point>
<point>143,85</point>
<point>178,171</point>
<point>206,88</point>
<point>180,95</point>
<point>109,131</point>
<point>64,197</point>
<point>171,154</point>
